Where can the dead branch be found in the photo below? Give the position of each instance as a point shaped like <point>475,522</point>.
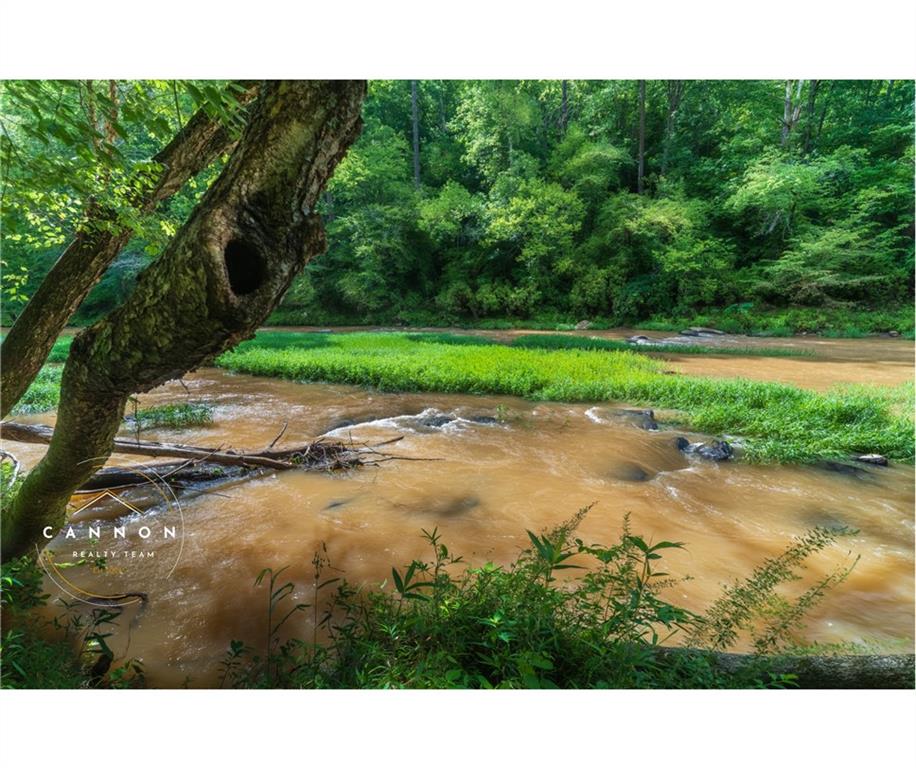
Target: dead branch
<point>201,465</point>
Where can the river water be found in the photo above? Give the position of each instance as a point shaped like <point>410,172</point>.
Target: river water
<point>504,465</point>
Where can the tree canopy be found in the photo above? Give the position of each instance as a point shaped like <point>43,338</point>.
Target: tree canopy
<point>771,193</point>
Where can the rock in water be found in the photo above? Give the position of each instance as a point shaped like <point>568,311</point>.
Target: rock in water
<point>714,450</point>
<point>873,458</point>
<point>630,472</point>
<point>483,419</point>
<point>436,420</point>
<point>583,325</point>
<point>641,418</point>
<point>638,340</point>
<point>842,468</point>
<point>689,332</point>
<point>706,331</point>
<point>893,334</point>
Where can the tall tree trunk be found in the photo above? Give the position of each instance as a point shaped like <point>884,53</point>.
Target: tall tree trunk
<point>641,164</point>
<point>564,106</point>
<point>791,109</point>
<point>810,116</point>
<point>95,246</point>
<point>415,124</point>
<point>826,100</point>
<point>215,283</point>
<point>675,93</point>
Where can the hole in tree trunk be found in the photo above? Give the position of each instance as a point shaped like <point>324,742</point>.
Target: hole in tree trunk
<point>244,266</point>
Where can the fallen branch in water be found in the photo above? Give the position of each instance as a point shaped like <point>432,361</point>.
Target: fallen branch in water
<point>205,464</point>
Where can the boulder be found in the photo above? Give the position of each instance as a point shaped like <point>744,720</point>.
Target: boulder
<point>689,332</point>
<point>713,450</point>
<point>706,331</point>
<point>893,334</point>
<point>873,458</point>
<point>638,340</point>
<point>583,325</point>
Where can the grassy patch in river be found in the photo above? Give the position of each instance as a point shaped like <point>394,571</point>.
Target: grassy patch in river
<point>172,415</point>
<point>780,422</point>
<point>44,395</point>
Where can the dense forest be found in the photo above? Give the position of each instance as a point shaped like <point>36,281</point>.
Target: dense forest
<point>475,201</point>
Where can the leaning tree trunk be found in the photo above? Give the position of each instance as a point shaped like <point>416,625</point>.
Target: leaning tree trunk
<point>98,242</point>
<point>218,279</point>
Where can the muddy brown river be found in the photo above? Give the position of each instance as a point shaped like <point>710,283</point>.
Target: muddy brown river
<point>506,465</point>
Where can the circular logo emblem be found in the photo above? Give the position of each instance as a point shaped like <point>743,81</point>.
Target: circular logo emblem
<point>124,529</point>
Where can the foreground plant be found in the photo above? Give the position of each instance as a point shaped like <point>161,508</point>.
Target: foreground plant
<point>565,614</point>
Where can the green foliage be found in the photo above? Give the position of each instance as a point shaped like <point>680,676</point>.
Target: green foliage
<point>521,216</point>
<point>171,416</point>
<point>780,422</point>
<point>564,614</point>
<point>69,147</point>
<point>44,392</point>
<point>523,221</point>
<point>70,651</point>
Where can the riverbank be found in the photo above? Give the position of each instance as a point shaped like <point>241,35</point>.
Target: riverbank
<point>836,323</point>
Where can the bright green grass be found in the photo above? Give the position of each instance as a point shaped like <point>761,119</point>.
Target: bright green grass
<point>780,422</point>
<point>551,341</point>
<point>60,350</point>
<point>43,393</point>
<point>173,415</point>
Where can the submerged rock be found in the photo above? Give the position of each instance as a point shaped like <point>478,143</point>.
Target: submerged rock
<point>447,506</point>
<point>483,419</point>
<point>820,518</point>
<point>873,458</point>
<point>641,418</point>
<point>435,421</point>
<point>842,468</point>
<point>630,472</point>
<point>713,450</point>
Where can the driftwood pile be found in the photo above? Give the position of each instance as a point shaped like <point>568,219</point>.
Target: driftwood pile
<point>200,465</point>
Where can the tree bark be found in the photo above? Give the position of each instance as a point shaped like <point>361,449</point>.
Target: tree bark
<point>415,126</point>
<point>858,672</point>
<point>89,254</point>
<point>641,165</point>
<point>675,93</point>
<point>810,116</point>
<point>791,109</point>
<point>216,282</point>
